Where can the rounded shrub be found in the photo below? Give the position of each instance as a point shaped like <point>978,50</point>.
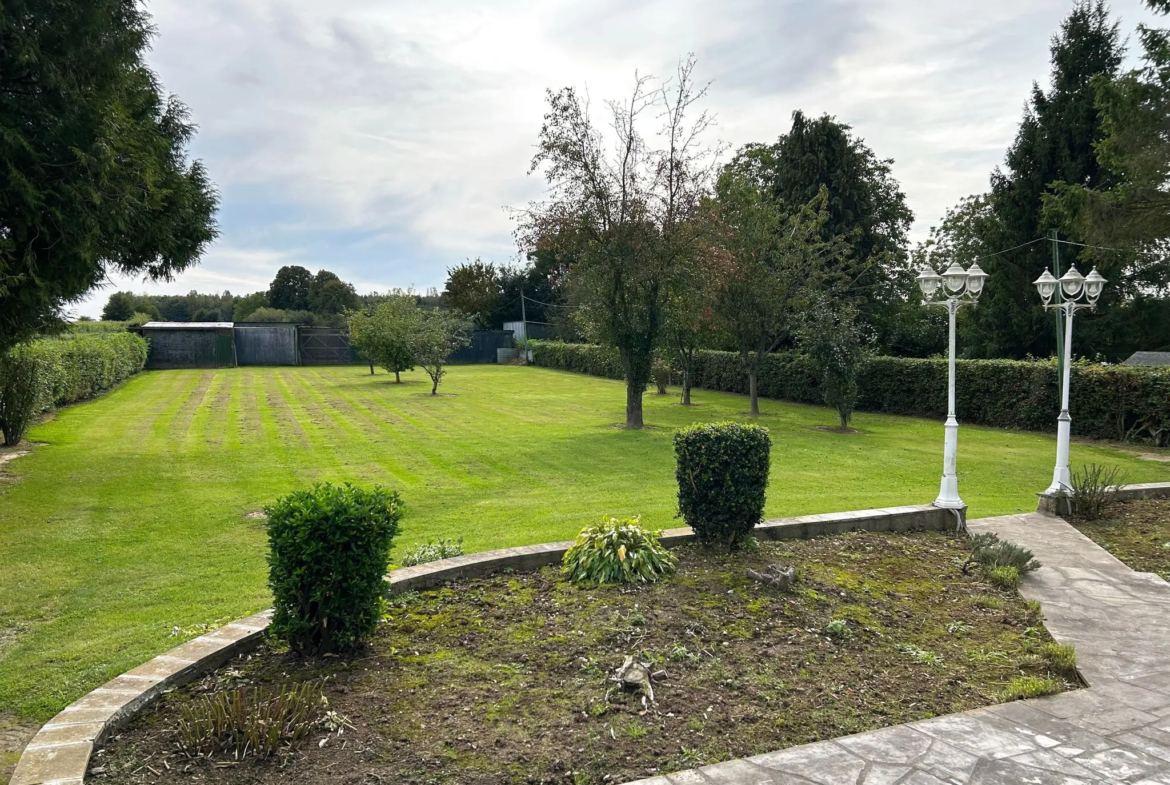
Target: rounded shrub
<point>722,474</point>
<point>617,551</point>
<point>329,548</point>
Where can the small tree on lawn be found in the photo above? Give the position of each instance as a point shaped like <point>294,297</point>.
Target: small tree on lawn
<point>434,336</point>
<point>383,336</point>
<point>622,215</point>
<point>839,345</point>
<point>773,264</point>
<point>690,322</point>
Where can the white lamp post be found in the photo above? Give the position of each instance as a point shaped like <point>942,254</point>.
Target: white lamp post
<point>959,287</point>
<point>1079,292</point>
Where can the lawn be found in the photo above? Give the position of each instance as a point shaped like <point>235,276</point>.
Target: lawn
<point>131,521</point>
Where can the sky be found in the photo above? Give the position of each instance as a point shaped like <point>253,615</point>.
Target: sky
<point>387,140</point>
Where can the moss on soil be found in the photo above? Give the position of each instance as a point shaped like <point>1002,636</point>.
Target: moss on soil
<point>506,679</point>
<point>1136,532</point>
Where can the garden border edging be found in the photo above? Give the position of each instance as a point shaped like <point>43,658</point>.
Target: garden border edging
<point>59,754</point>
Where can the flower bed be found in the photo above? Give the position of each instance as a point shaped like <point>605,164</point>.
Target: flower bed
<point>508,678</point>
<point>1136,532</point>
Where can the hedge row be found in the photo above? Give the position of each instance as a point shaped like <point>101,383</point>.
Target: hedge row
<point>73,368</point>
<point>1108,401</point>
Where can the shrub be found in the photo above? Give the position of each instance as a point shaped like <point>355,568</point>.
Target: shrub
<point>328,552</point>
<point>1108,401</point>
<point>1030,687</point>
<point>21,392</point>
<point>990,552</point>
<point>432,551</point>
<point>722,473</point>
<point>245,721</point>
<point>617,551</point>
<point>1094,490</point>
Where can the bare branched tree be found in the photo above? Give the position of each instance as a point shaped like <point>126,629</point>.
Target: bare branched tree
<point>626,216</point>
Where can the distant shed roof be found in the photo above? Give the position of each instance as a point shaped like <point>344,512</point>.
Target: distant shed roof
<point>1152,359</point>
<point>187,326</point>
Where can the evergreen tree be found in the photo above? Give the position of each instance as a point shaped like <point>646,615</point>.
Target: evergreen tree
<point>1055,142</point>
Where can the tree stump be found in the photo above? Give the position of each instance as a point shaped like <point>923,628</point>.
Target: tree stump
<point>775,575</point>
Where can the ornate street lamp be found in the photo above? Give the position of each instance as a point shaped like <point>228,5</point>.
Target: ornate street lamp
<point>959,287</point>
<point>1078,292</point>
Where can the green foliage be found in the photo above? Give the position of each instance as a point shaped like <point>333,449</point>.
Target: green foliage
<point>329,295</point>
<point>248,722</point>
<point>722,474</point>
<point>919,655</point>
<point>290,289</point>
<point>1025,687</point>
<point>433,336</point>
<point>839,629</point>
<point>473,289</point>
<point>1061,659</point>
<point>1108,401</point>
<point>1094,490</point>
<point>96,177</point>
<point>617,551</point>
<point>328,553</point>
<point>1006,578</point>
<point>248,305</point>
<point>20,392</point>
<point>383,335</point>
<point>56,371</point>
<point>838,344</point>
<point>266,314</point>
<point>990,552</point>
<point>432,550</point>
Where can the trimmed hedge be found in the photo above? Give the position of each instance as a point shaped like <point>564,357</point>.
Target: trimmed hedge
<point>1108,401</point>
<point>329,548</point>
<point>722,475</point>
<point>73,368</point>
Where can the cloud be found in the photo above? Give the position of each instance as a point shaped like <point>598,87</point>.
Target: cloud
<point>384,139</point>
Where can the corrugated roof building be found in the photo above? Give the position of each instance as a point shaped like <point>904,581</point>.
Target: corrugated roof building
<point>1149,359</point>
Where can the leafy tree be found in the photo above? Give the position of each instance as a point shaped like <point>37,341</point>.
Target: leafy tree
<point>383,335</point>
<point>621,216</point>
<point>329,295</point>
<point>473,289</point>
<point>265,314</point>
<point>434,336</point>
<point>689,319</point>
<point>1055,142</point>
<point>120,307</point>
<point>839,344</point>
<point>96,177</point>
<point>206,315</point>
<point>865,203</point>
<point>773,264</point>
<point>291,288</point>
<point>249,304</point>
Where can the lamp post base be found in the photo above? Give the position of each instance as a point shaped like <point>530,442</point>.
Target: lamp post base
<point>1058,505</point>
<point>948,494</point>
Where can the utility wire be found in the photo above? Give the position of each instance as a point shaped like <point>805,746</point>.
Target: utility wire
<point>1106,248</point>
<point>550,305</point>
<point>1009,250</point>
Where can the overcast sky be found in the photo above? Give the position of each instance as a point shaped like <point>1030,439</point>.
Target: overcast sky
<point>384,140</point>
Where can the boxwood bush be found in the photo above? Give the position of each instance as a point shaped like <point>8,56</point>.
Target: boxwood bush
<point>329,548</point>
<point>722,474</point>
<point>1108,401</point>
<point>48,372</point>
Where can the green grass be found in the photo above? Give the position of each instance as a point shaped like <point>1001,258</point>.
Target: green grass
<point>131,520</point>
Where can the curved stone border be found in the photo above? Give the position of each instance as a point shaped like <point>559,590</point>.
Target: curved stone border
<point>59,753</point>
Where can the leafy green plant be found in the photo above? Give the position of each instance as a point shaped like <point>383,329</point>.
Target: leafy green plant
<point>1030,687</point>
<point>1094,490</point>
<point>1005,578</point>
<point>920,656</point>
<point>991,553</point>
<point>20,392</point>
<point>617,551</point>
<point>722,474</point>
<point>245,721</point>
<point>328,552</point>
<point>432,550</point>
<point>839,629</point>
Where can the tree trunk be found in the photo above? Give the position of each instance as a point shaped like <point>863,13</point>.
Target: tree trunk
<point>686,386</point>
<point>844,419</point>
<point>634,403</point>
<point>397,377</point>
<point>371,368</point>
<point>752,392</point>
<point>435,384</point>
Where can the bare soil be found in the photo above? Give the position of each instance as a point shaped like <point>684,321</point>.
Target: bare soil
<point>506,679</point>
<point>1136,532</point>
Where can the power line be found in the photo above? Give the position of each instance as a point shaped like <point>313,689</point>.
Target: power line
<point>1107,248</point>
<point>1009,250</point>
<point>550,305</point>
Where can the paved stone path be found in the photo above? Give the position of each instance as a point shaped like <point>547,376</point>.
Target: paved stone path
<point>1117,731</point>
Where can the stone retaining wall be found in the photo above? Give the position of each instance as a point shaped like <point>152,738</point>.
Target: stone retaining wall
<point>59,753</point>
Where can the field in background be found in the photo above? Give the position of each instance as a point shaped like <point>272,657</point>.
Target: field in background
<point>132,520</point>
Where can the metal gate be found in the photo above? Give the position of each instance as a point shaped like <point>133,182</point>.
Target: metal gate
<point>266,344</point>
<point>324,346</point>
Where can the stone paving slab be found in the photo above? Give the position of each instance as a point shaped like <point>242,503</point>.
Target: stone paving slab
<point>1115,731</point>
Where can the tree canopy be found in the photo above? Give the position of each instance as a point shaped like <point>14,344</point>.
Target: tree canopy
<point>96,177</point>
